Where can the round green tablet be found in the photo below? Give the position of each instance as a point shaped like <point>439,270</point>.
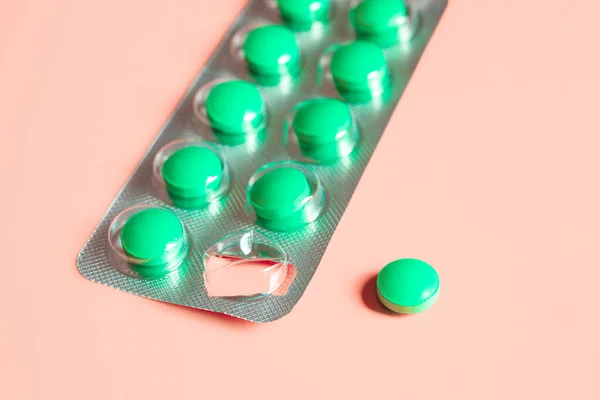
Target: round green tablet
<point>272,50</point>
<point>359,66</point>
<point>152,236</point>
<point>408,286</point>
<point>235,107</point>
<point>279,193</point>
<point>301,14</point>
<point>322,121</point>
<point>192,172</point>
<point>376,16</point>
<point>380,21</point>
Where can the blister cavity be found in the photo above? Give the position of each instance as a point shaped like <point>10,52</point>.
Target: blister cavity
<point>284,196</point>
<point>232,111</point>
<point>147,242</point>
<point>321,131</point>
<point>386,23</point>
<point>245,265</point>
<point>270,52</point>
<point>190,174</point>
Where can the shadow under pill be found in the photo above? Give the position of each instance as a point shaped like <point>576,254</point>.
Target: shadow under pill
<point>371,300</point>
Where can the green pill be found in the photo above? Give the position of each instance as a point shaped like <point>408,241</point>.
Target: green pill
<point>302,14</point>
<point>322,121</point>
<point>408,286</point>
<point>154,236</point>
<point>272,50</point>
<point>379,21</point>
<point>235,108</point>
<point>359,67</point>
<point>279,193</point>
<point>192,172</point>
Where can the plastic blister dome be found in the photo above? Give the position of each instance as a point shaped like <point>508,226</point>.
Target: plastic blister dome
<point>190,174</point>
<point>321,130</point>
<point>285,196</point>
<point>147,242</point>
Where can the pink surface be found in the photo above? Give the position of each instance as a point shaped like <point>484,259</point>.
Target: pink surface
<point>489,171</point>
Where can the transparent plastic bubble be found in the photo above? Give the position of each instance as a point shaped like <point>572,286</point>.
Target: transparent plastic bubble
<point>386,23</point>
<point>364,76</point>
<point>245,265</point>
<point>271,53</point>
<point>321,131</point>
<point>232,110</point>
<point>303,15</point>
<point>147,242</point>
<point>285,195</point>
<point>190,174</point>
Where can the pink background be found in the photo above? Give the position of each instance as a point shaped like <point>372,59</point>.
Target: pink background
<point>489,171</point>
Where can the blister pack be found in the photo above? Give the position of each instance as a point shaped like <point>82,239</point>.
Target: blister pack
<point>233,205</point>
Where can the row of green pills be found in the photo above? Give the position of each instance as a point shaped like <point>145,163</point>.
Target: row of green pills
<point>272,53</point>
<point>323,129</point>
<point>193,174</point>
<point>384,22</point>
<point>282,196</point>
<point>149,242</point>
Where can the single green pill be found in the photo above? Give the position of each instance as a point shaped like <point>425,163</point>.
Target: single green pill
<point>235,108</point>
<point>408,286</point>
<point>383,22</point>
<point>301,14</point>
<point>152,236</point>
<point>322,121</point>
<point>272,50</point>
<point>192,171</point>
<point>279,193</point>
<point>359,66</point>
<point>377,16</point>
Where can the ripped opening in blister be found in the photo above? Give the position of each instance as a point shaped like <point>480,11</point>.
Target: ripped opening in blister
<point>271,53</point>
<point>321,131</point>
<point>357,70</point>
<point>190,174</point>
<point>386,23</point>
<point>285,195</point>
<point>233,110</point>
<point>147,242</point>
<point>246,265</point>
